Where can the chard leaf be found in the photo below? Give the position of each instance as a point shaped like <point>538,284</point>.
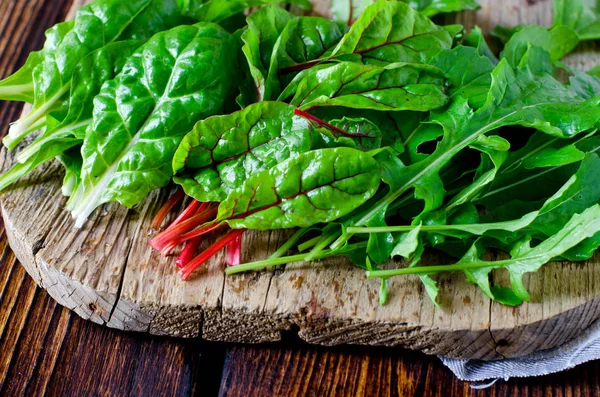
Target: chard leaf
<point>45,153</point>
<point>88,76</point>
<point>579,15</point>
<point>348,11</point>
<point>137,19</point>
<point>434,7</point>
<point>264,28</point>
<point>303,42</point>
<point>318,186</point>
<point>394,87</point>
<point>558,41</point>
<point>221,152</point>
<point>221,10</point>
<point>72,162</point>
<point>141,115</point>
<point>391,31</point>
<point>19,85</point>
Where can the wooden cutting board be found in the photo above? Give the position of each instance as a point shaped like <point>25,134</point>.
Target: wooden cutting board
<point>107,273</point>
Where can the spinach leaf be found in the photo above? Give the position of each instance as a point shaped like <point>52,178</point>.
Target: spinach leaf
<point>221,10</point>
<point>144,112</point>
<point>477,40</point>
<point>394,87</point>
<point>391,31</point>
<point>137,19</point>
<point>318,186</point>
<point>579,15</point>
<point>264,28</point>
<point>301,45</point>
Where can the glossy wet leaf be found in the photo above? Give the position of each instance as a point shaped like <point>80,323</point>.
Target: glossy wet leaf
<point>221,152</point>
<point>391,31</point>
<point>144,112</point>
<point>394,87</point>
<point>314,187</point>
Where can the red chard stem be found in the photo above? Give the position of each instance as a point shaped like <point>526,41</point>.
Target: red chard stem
<point>325,124</point>
<point>166,208</point>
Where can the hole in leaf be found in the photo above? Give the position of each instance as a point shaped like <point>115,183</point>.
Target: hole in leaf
<point>429,146</point>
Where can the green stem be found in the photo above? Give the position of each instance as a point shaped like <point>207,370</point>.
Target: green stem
<point>325,241</point>
<point>309,244</point>
<point>423,270</point>
<point>290,243</point>
<point>258,265</point>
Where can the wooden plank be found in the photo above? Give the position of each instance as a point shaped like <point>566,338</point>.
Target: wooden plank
<point>107,273</point>
<point>304,370</point>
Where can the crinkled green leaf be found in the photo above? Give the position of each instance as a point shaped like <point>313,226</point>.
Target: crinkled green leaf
<point>318,186</point>
<point>221,152</point>
<point>558,41</point>
<point>144,112</point>
<point>391,31</point>
<point>264,28</point>
<point>476,39</point>
<point>580,15</point>
<point>394,87</point>
<point>302,43</point>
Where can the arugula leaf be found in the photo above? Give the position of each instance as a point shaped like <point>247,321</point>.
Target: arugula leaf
<point>318,186</point>
<point>143,113</point>
<point>264,28</point>
<point>580,15</point>
<point>525,96</point>
<point>558,41</point>
<point>524,258</point>
<point>138,19</point>
<point>477,40</point>
<point>302,43</point>
<point>468,72</point>
<point>391,31</point>
<point>394,87</point>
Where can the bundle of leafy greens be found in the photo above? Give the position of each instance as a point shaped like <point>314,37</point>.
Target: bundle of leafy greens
<point>376,135</point>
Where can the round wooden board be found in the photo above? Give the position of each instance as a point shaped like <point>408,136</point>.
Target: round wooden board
<point>107,273</point>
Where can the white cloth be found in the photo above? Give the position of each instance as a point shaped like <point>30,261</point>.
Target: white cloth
<point>584,348</point>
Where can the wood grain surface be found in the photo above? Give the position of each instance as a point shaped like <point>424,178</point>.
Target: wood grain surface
<point>47,350</point>
<point>107,273</point>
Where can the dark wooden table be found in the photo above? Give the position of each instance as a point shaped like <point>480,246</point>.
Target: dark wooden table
<point>46,349</point>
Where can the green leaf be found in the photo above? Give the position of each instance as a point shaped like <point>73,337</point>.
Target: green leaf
<point>318,186</point>
<point>45,153</point>
<point>476,39</point>
<point>558,41</point>
<point>347,11</point>
<point>72,162</point>
<point>434,7</point>
<point>408,243</point>
<point>141,116</point>
<point>264,28</point>
<point>221,152</point>
<point>88,76</point>
<point>391,31</point>
<point>19,86</point>
<point>579,15</point>
<point>504,33</point>
<point>303,42</point>
<point>468,72</point>
<point>136,19</point>
<point>221,10</point>
<point>394,87</point>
